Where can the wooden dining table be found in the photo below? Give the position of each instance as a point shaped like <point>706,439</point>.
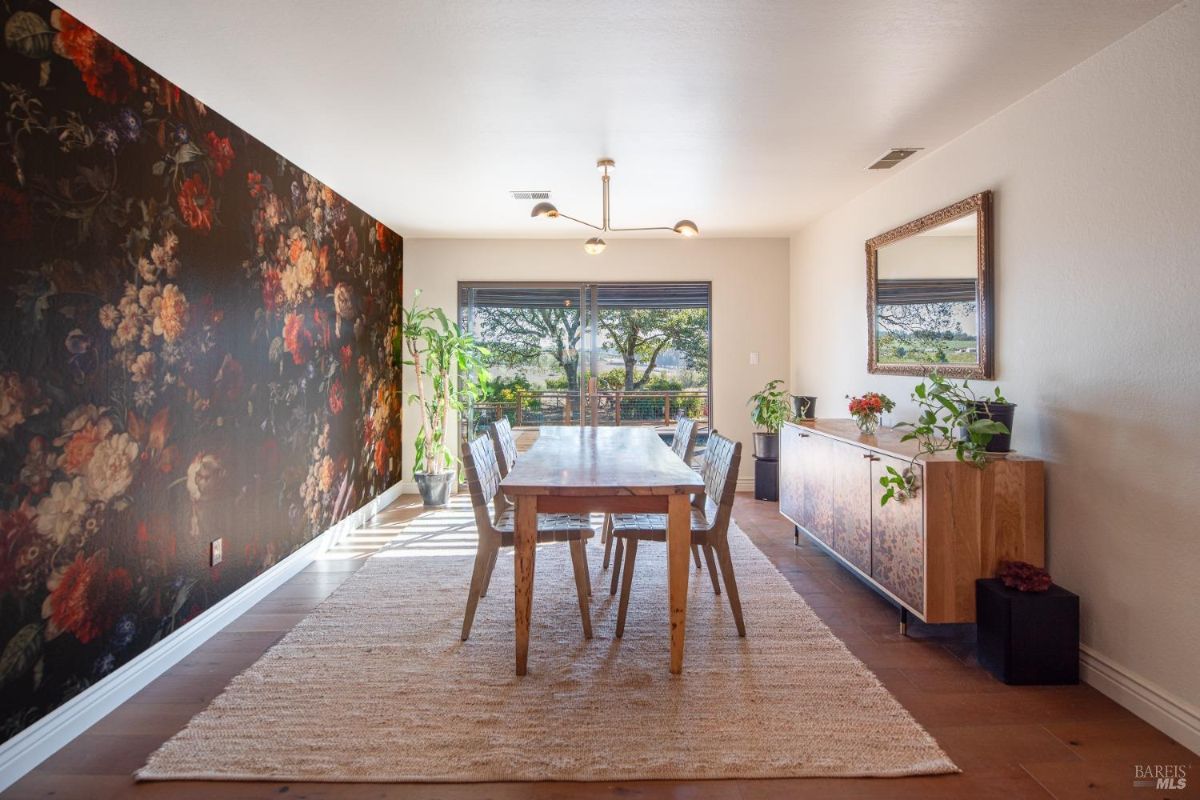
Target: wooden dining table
<point>580,470</point>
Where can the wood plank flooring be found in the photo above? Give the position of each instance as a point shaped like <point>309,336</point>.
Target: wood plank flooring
<point>1012,743</point>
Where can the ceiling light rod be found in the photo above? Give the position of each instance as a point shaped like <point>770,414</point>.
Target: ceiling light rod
<point>684,227</point>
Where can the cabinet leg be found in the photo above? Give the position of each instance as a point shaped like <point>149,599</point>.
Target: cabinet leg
<point>796,533</point>
<point>903,621</point>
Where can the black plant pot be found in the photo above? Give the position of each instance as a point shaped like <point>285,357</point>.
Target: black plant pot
<point>434,487</point>
<point>997,412</point>
<point>804,406</point>
<point>766,446</point>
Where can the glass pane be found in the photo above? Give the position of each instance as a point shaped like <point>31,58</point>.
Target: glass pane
<point>601,354</point>
<point>535,335</point>
<point>653,363</point>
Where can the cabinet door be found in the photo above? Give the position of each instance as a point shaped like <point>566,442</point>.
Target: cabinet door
<point>816,462</point>
<point>791,471</point>
<point>852,505</point>
<point>897,540</point>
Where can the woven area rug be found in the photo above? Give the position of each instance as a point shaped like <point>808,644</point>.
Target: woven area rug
<point>375,685</point>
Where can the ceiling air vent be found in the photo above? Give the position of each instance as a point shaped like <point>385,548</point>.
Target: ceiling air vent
<point>893,157</point>
<point>530,194</point>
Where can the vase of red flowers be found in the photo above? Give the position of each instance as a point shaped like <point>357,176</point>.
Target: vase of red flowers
<point>867,410</point>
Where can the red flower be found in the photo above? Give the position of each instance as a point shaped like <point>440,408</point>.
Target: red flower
<point>347,354</point>
<point>24,554</point>
<point>87,597</point>
<point>254,183</point>
<point>297,339</point>
<point>106,70</point>
<point>381,458</point>
<point>383,236</point>
<point>16,220</point>
<point>272,290</point>
<point>322,324</point>
<point>195,203</point>
<point>337,397</point>
<point>221,153</point>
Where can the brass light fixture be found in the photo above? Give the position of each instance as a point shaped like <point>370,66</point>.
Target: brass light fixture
<point>596,245</point>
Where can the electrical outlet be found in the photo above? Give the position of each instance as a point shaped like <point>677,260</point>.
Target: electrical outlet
<point>214,553</point>
<point>754,358</point>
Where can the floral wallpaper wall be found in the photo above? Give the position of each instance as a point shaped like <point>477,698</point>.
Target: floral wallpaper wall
<point>194,344</point>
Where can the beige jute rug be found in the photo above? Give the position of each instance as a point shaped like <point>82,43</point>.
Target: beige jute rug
<point>375,685</point>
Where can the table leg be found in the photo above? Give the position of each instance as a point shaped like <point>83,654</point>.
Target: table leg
<point>679,562</point>
<point>525,550</point>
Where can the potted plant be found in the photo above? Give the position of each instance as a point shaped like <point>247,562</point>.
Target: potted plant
<point>952,417</point>
<point>804,406</point>
<point>868,409</point>
<point>769,409</point>
<point>435,348</point>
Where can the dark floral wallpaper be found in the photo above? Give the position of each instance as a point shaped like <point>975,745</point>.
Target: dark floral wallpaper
<point>193,345</point>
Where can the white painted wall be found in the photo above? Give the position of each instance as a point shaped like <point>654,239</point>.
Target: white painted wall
<point>749,298</point>
<point>1097,260</point>
<point>929,257</point>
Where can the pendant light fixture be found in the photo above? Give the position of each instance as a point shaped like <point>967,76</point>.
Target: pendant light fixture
<point>595,245</point>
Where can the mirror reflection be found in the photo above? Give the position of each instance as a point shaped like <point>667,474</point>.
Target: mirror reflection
<point>927,309</point>
<point>929,294</point>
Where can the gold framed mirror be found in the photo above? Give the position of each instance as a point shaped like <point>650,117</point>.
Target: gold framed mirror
<point>929,294</point>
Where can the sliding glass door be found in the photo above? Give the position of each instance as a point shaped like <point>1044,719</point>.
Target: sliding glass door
<point>591,353</point>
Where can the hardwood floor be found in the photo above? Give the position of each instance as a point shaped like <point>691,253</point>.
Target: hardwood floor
<point>1012,743</point>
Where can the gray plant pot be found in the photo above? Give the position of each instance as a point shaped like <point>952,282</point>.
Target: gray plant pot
<point>766,446</point>
<point>434,487</point>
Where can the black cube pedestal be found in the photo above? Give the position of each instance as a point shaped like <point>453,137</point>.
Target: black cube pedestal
<point>1027,638</point>
<point>766,478</point>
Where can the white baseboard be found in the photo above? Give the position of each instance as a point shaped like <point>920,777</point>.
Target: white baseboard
<point>42,739</point>
<point>1175,717</point>
<point>745,483</point>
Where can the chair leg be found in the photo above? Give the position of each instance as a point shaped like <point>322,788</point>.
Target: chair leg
<point>587,570</point>
<point>696,555</point>
<point>486,551</point>
<point>612,588</point>
<point>735,602</point>
<point>579,562</point>
<point>608,538</point>
<point>626,583</point>
<point>487,576</point>
<point>712,568</point>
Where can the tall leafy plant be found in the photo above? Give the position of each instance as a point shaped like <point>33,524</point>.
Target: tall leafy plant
<point>769,407</point>
<point>436,349</point>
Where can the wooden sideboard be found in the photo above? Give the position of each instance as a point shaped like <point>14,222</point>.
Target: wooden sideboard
<point>925,553</point>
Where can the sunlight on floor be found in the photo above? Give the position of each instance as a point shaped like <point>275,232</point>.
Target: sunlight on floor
<point>448,531</point>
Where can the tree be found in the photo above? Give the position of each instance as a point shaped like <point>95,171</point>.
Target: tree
<point>517,336</point>
<point>642,334</point>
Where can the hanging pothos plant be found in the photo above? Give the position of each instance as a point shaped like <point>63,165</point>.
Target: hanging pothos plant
<point>952,417</point>
<point>436,349</point>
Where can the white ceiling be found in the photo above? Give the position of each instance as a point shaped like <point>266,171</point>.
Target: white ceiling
<point>749,117</point>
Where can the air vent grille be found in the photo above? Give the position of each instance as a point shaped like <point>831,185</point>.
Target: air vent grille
<point>530,194</point>
<point>893,157</point>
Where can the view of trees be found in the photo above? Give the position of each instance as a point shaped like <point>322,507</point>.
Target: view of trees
<point>923,333</point>
<point>642,338</point>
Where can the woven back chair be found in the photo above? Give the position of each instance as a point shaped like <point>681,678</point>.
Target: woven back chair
<point>710,517</point>
<point>684,442</point>
<point>494,518</point>
<point>505,444</point>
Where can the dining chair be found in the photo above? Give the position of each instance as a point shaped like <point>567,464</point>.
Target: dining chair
<point>683,444</point>
<point>497,524</point>
<point>710,515</point>
<point>505,445</point>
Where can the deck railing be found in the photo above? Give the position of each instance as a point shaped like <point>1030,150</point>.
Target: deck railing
<point>603,407</point>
